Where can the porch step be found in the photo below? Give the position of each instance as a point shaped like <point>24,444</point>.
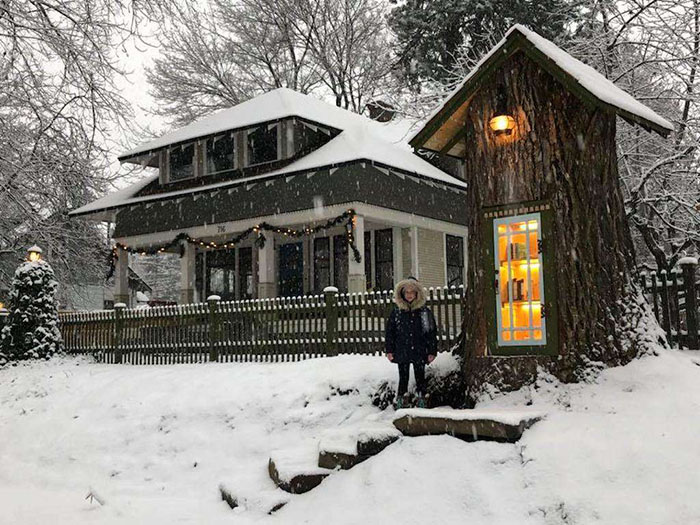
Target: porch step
<point>470,424</point>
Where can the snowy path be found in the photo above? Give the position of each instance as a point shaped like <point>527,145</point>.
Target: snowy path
<point>155,442</point>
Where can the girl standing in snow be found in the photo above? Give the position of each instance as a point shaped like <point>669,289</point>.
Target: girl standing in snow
<point>411,337</point>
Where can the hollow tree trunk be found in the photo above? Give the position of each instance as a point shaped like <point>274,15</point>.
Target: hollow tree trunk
<point>563,152</point>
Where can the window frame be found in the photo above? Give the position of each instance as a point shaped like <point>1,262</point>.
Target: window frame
<point>232,135</point>
<point>182,147</point>
<point>464,259</point>
<point>278,149</point>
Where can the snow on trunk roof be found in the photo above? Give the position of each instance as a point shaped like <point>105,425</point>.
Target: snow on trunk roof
<point>586,76</point>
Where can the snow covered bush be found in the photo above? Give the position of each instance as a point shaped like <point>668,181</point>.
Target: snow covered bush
<point>32,328</point>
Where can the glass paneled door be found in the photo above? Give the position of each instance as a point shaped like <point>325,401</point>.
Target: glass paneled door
<point>519,283</point>
<point>291,270</point>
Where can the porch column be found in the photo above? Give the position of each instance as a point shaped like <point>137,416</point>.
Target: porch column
<point>397,247</point>
<point>266,269</point>
<point>187,273</point>
<point>121,277</point>
<point>413,237</point>
<point>357,282</point>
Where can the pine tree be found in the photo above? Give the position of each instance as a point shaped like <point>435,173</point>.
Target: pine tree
<point>430,33</point>
<point>32,330</point>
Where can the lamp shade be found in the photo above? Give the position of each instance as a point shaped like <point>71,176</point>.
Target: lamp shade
<point>34,253</point>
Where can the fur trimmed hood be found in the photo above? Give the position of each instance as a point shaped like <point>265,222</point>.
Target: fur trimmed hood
<point>420,299</point>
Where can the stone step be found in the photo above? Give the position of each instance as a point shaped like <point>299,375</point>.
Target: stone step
<point>346,447</point>
<point>471,424</point>
<point>296,471</point>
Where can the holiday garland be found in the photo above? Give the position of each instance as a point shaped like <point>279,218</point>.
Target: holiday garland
<point>347,217</point>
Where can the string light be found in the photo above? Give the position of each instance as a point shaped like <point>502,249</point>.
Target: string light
<point>348,218</point>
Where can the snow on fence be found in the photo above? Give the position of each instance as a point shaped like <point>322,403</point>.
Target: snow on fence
<point>277,329</point>
<point>674,298</point>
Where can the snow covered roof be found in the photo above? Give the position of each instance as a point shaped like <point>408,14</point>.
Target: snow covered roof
<point>550,56</point>
<point>361,139</point>
<point>274,105</point>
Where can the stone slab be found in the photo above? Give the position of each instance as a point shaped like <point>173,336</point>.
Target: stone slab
<point>334,460</point>
<point>466,424</point>
<point>295,478</point>
<point>369,444</point>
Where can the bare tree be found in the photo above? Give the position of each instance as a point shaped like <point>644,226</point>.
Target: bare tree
<point>651,49</point>
<point>58,108</point>
<point>221,53</point>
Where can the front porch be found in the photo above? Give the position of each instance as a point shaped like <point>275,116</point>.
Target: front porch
<point>391,245</point>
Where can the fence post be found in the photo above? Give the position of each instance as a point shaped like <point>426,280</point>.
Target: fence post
<point>666,306</point>
<point>118,330</point>
<point>689,266</point>
<point>331,299</point>
<point>214,325</point>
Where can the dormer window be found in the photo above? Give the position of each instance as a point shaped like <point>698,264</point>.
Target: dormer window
<point>181,162</point>
<point>262,144</point>
<point>220,154</point>
<point>310,136</point>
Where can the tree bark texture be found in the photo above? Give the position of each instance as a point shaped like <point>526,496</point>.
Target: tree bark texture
<point>562,151</point>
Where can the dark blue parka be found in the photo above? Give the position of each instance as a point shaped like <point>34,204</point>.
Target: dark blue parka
<point>411,333</point>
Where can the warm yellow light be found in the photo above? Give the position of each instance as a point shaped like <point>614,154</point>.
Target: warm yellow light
<point>2,306</point>
<point>536,306</point>
<point>532,264</point>
<point>34,253</point>
<point>502,124</point>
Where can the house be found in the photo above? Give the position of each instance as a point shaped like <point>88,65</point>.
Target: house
<point>285,195</point>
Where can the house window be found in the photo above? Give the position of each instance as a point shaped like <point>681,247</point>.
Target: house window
<point>245,273</point>
<point>454,257</point>
<point>520,288</point>
<point>221,274</point>
<point>220,154</point>
<point>340,262</point>
<point>310,137</point>
<point>384,259</point>
<point>322,263</point>
<point>181,162</point>
<point>262,144</point>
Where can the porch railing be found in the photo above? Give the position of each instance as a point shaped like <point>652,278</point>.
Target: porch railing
<point>674,298</point>
<point>278,329</point>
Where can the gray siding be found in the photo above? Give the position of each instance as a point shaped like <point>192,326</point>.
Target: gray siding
<point>351,183</point>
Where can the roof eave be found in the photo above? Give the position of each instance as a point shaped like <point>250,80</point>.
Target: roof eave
<point>99,215</point>
<point>108,213</point>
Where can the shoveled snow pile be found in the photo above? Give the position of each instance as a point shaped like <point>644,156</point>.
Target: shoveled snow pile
<point>155,443</point>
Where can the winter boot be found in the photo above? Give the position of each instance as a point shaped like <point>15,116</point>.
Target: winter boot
<point>421,403</point>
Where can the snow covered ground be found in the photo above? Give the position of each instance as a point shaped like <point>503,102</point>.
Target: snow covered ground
<point>155,443</point>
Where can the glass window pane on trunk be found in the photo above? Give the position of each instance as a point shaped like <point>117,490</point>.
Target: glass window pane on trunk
<point>520,288</point>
